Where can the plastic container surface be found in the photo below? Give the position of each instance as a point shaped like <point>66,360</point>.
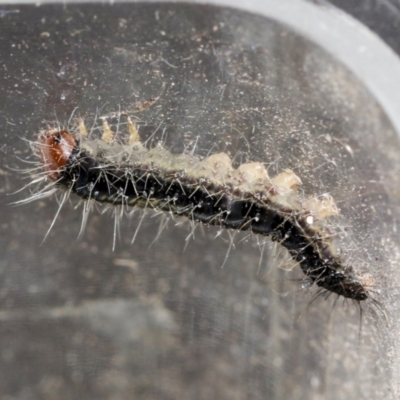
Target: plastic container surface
<point>160,319</point>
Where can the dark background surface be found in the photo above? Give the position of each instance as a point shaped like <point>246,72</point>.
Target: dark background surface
<point>381,16</point>
<point>80,321</point>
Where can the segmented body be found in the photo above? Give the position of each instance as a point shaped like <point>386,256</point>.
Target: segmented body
<point>209,191</point>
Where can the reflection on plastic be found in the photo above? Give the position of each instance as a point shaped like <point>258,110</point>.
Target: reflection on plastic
<point>161,319</point>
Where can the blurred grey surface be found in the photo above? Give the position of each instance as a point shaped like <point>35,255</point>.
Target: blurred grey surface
<point>161,319</point>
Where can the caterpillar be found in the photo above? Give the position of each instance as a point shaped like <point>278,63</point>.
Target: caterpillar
<point>205,190</point>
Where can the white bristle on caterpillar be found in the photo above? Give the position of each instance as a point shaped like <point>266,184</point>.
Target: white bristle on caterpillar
<point>209,191</point>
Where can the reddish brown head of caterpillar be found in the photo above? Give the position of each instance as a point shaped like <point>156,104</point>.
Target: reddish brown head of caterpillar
<point>55,150</point>
<point>209,191</point>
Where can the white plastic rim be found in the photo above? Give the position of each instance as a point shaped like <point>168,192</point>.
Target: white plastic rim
<point>370,59</point>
